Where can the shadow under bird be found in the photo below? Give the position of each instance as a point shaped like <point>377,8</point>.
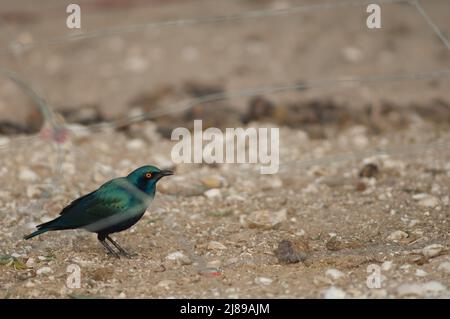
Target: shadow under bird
<point>115,206</point>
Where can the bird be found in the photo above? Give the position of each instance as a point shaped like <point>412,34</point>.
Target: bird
<point>114,207</point>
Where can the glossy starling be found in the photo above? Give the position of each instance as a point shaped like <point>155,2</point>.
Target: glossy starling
<point>115,206</point>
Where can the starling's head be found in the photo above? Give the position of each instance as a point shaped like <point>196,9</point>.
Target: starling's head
<point>146,177</point>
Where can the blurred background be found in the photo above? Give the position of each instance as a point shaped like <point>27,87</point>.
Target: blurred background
<point>126,59</point>
<point>364,118</point>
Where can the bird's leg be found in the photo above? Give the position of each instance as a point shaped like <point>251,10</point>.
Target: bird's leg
<point>109,248</point>
<point>121,250</point>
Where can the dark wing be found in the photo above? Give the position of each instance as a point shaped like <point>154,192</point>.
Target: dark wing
<point>109,200</point>
<point>75,202</point>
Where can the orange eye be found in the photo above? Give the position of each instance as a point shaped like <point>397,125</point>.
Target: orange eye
<point>148,175</point>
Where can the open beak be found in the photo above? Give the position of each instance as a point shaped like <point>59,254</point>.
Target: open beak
<point>165,172</point>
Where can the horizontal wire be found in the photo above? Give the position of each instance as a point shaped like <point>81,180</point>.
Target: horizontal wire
<point>270,89</point>
<point>200,21</point>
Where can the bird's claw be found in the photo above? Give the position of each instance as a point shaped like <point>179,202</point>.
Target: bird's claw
<point>113,254</point>
<point>128,255</point>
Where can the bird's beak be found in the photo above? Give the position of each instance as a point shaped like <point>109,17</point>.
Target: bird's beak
<point>165,172</point>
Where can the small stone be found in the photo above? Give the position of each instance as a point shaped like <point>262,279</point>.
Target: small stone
<point>445,267</point>
<point>361,186</point>
<point>413,223</point>
<point>213,193</point>
<point>214,264</point>
<point>33,191</point>
<point>163,162</point>
<point>419,196</point>
<point>433,250</point>
<point>44,271</point>
<point>300,232</point>
<point>421,273</point>
<point>263,281</point>
<point>387,265</point>
<point>423,289</point>
<point>405,267</point>
<point>215,245</point>
<point>3,141</point>
<point>180,258</point>
<point>166,284</point>
<point>397,235</point>
<point>334,243</point>
<point>334,293</point>
<point>30,262</point>
<point>27,175</point>
<point>286,253</point>
<point>334,273</point>
<point>78,132</point>
<point>29,284</point>
<point>266,219</point>
<point>122,295</point>
<point>369,170</point>
<point>235,198</point>
<point>426,200</point>
<point>276,183</point>
<point>378,293</point>
<point>135,144</point>
<point>213,181</point>
<point>352,54</point>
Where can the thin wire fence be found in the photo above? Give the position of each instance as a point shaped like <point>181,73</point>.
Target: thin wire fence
<point>256,14</point>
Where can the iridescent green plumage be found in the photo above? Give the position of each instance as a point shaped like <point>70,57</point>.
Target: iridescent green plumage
<point>114,207</point>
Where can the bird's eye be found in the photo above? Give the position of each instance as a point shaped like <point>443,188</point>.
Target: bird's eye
<point>148,175</point>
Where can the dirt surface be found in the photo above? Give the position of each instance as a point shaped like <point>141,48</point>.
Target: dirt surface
<point>365,167</point>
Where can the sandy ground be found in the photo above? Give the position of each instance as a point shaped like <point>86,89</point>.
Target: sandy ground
<point>365,168</point>
<point>340,222</point>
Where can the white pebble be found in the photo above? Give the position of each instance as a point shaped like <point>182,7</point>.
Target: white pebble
<point>3,140</point>
<point>423,289</point>
<point>421,273</point>
<point>33,191</point>
<point>387,265</point>
<point>433,250</point>
<point>166,284</point>
<point>27,175</point>
<point>334,273</point>
<point>213,193</point>
<point>30,262</point>
<point>135,144</point>
<point>178,255</point>
<point>352,54</point>
<point>44,271</point>
<point>334,293</point>
<point>264,219</point>
<point>397,235</point>
<point>426,200</point>
<point>174,256</point>
<point>263,281</point>
<point>445,267</point>
<point>29,284</point>
<point>215,245</point>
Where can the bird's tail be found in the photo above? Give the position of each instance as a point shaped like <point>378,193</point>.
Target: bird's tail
<point>42,228</point>
<point>37,232</point>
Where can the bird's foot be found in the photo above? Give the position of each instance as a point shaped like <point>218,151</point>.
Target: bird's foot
<point>109,249</point>
<point>113,254</point>
<point>127,254</point>
<point>122,251</point>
